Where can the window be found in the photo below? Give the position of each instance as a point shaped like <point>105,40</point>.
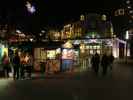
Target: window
<point>119,12</point>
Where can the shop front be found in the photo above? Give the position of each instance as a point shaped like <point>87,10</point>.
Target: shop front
<point>73,53</point>
<point>78,53</point>
<point>56,59</point>
<point>47,58</point>
<point>53,60</point>
<point>88,47</point>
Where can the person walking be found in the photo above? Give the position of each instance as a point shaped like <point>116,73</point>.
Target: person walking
<point>95,62</point>
<point>6,64</point>
<point>16,66</point>
<point>104,63</point>
<point>111,60</point>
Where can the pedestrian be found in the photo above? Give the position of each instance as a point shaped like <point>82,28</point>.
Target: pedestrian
<point>42,66</point>
<point>104,63</point>
<point>16,65</point>
<point>92,61</point>
<point>48,66</point>
<point>6,64</point>
<point>95,62</point>
<point>111,60</point>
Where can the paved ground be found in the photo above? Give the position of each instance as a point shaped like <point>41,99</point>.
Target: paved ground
<point>80,86</point>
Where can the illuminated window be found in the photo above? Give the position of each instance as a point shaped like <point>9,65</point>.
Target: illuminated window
<point>91,47</point>
<point>51,54</point>
<point>131,11</point>
<point>104,17</point>
<point>121,11</point>
<point>95,47</point>
<point>98,51</point>
<point>91,51</point>
<point>98,47</point>
<point>58,51</point>
<point>116,13</point>
<point>129,7</point>
<point>82,17</point>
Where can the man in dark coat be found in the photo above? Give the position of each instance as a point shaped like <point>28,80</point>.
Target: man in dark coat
<point>104,63</point>
<point>111,60</point>
<point>95,62</point>
<point>16,67</point>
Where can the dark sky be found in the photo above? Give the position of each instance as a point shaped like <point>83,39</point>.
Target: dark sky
<point>51,12</point>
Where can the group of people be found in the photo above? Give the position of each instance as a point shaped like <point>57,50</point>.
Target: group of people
<point>19,64</point>
<point>23,62</point>
<point>105,61</point>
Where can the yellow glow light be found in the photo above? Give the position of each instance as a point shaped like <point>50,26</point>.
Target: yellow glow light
<point>4,50</point>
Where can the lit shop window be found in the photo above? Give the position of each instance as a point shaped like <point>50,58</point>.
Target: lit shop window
<point>82,17</point>
<point>58,51</point>
<point>51,54</point>
<point>119,12</point>
<point>91,52</point>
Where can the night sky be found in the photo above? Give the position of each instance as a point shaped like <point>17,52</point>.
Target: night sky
<point>51,12</point>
